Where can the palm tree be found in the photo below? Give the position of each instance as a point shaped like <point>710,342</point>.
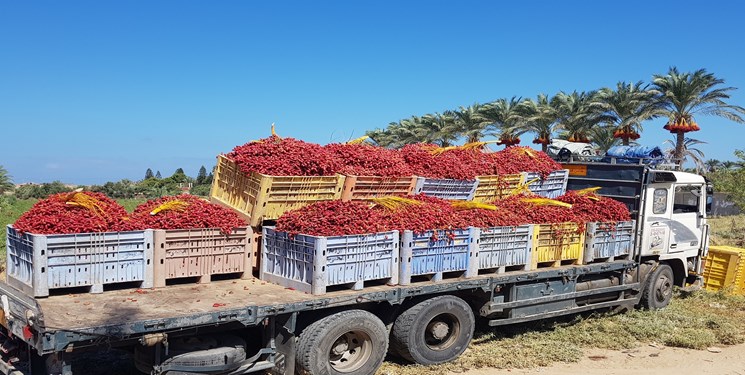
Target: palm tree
<point>682,95</point>
<point>439,129</point>
<point>629,105</point>
<point>471,122</point>
<point>506,120</point>
<point>713,165</point>
<point>540,117</point>
<point>6,184</point>
<point>696,155</point>
<point>578,113</point>
<point>382,137</point>
<point>602,137</point>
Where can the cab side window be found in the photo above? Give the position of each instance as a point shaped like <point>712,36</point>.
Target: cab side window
<point>659,203</point>
<point>687,199</point>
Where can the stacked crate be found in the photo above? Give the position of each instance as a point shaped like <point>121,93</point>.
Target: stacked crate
<point>201,253</point>
<point>500,249</point>
<point>38,264</point>
<point>258,197</point>
<point>312,264</point>
<point>435,253</point>
<point>446,188</point>
<point>557,244</point>
<point>609,241</point>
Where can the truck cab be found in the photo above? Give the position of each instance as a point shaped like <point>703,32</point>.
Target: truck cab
<point>670,209</point>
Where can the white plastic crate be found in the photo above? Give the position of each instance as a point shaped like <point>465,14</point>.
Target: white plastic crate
<point>609,241</point>
<point>504,247</point>
<point>312,263</point>
<point>554,185</point>
<point>446,188</point>
<point>433,253</point>
<point>38,263</point>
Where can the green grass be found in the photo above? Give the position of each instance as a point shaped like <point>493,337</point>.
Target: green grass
<point>130,204</point>
<point>696,321</point>
<point>8,215</point>
<point>728,230</point>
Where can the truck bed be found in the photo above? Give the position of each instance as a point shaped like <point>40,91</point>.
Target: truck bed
<point>117,315</point>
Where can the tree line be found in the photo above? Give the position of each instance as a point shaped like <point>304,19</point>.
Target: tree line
<point>151,186</point>
<point>604,117</point>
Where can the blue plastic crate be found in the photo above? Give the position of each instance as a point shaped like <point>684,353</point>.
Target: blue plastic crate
<point>446,188</point>
<point>312,263</point>
<point>554,185</point>
<point>433,253</point>
<point>609,241</point>
<point>501,247</point>
<point>37,263</point>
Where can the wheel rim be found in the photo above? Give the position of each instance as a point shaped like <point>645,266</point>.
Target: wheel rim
<point>442,331</point>
<point>663,288</point>
<point>350,351</point>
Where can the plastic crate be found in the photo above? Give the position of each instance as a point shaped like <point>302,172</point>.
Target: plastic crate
<point>312,263</point>
<point>557,244</point>
<point>500,248</point>
<point>609,241</point>
<point>446,188</point>
<point>554,185</point>
<point>494,187</point>
<point>724,268</point>
<point>258,197</point>
<point>434,253</point>
<point>201,253</point>
<point>39,263</point>
<point>358,188</point>
<point>256,249</point>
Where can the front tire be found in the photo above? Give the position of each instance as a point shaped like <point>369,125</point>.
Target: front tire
<point>434,331</point>
<point>659,288</point>
<point>349,342</point>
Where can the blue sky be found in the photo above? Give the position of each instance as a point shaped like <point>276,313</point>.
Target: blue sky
<point>92,91</point>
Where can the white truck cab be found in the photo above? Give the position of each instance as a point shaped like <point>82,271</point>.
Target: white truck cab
<point>669,207</point>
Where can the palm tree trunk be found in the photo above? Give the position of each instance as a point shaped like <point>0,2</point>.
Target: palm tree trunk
<point>626,142</point>
<point>679,144</point>
<point>544,147</point>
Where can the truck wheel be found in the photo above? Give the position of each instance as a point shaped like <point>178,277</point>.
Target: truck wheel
<point>659,288</point>
<point>349,342</point>
<point>197,354</point>
<point>434,331</point>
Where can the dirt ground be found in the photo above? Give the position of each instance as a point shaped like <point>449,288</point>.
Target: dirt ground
<point>648,359</point>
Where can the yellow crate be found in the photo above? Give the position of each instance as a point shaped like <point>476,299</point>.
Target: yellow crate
<point>557,244</point>
<point>724,267</point>
<point>258,197</point>
<point>496,186</point>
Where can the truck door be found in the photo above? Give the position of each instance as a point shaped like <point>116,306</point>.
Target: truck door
<point>688,220</point>
<point>658,212</point>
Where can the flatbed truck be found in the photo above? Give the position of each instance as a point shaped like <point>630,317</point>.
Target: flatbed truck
<point>250,326</point>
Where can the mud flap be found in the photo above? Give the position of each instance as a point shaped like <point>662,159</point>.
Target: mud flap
<point>284,341</point>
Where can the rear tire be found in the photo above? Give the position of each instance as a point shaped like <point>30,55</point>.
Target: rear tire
<point>434,331</point>
<point>349,342</point>
<point>659,288</point>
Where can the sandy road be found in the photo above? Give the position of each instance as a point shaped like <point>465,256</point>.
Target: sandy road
<point>647,359</point>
